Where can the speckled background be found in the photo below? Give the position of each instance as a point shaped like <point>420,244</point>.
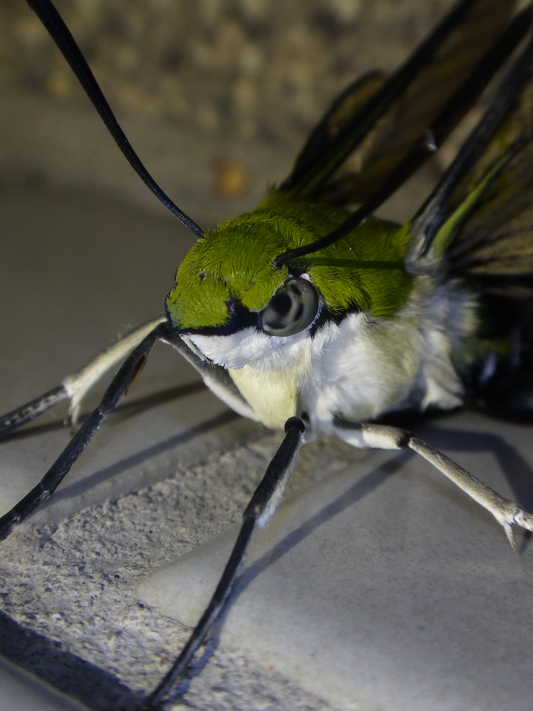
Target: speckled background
<point>249,67</point>
<point>216,96</point>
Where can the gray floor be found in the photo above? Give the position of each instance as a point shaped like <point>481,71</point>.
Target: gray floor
<point>70,287</point>
<point>20,690</point>
<point>384,588</point>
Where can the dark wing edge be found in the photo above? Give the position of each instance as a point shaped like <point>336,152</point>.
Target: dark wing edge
<point>372,125</point>
<point>480,216</point>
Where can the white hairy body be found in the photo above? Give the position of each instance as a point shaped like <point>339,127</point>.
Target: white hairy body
<point>360,368</point>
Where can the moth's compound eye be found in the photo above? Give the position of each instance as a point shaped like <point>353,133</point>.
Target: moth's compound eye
<point>292,308</point>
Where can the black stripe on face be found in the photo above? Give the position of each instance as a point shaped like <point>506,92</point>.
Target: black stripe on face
<point>239,319</point>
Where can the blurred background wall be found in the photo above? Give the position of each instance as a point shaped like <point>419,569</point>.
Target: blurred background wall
<point>216,95</point>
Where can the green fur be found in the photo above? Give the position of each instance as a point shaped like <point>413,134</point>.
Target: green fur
<point>234,261</point>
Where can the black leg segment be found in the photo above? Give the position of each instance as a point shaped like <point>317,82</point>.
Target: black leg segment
<point>31,410</point>
<point>260,510</point>
<point>57,472</point>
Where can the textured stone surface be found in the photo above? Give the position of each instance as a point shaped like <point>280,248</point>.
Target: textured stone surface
<point>74,582</point>
<point>383,587</point>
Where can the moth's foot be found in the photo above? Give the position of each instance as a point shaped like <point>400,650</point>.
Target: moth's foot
<point>518,517</point>
<point>509,514</point>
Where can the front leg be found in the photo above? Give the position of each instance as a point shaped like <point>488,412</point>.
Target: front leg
<point>216,378</point>
<point>506,512</point>
<point>61,467</point>
<point>137,342</point>
<point>260,509</point>
<point>74,387</point>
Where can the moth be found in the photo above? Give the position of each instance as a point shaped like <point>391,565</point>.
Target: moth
<point>311,315</point>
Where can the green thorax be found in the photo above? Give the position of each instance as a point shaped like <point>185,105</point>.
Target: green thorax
<point>233,264</point>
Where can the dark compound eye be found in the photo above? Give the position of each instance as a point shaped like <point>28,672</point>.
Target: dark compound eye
<point>292,308</point>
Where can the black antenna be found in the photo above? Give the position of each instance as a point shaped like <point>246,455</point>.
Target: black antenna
<point>452,112</point>
<point>51,19</point>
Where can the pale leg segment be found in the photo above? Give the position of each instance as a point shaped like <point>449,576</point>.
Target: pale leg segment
<point>78,384</point>
<point>75,387</point>
<point>134,346</point>
<point>216,378</point>
<point>259,511</point>
<point>61,467</point>
<point>506,512</point>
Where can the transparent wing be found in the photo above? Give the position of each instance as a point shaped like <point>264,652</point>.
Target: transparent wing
<point>480,216</point>
<point>375,121</point>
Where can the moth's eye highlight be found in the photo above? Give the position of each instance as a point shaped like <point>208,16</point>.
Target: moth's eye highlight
<point>292,308</point>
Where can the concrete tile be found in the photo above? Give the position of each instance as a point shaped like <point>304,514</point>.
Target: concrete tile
<point>20,691</point>
<point>383,587</point>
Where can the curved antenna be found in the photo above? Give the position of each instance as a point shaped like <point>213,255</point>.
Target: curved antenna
<point>452,112</point>
<point>51,19</point>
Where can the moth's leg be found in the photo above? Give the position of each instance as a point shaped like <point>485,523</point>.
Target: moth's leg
<point>74,387</point>
<point>30,410</point>
<point>54,476</point>
<point>80,383</point>
<point>506,512</point>
<point>216,378</point>
<point>259,511</point>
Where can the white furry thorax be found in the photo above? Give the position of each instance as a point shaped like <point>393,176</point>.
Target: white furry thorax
<point>359,369</point>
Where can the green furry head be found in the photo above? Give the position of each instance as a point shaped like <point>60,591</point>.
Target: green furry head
<point>233,265</point>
